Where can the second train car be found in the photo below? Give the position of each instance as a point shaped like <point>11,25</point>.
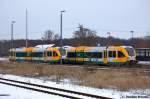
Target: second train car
<point>112,55</point>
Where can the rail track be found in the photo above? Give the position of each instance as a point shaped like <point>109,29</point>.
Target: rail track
<point>50,90</point>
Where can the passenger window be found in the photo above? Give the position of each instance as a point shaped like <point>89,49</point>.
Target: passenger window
<point>28,54</point>
<point>100,55</point>
<point>79,54</point>
<point>120,54</point>
<point>147,52</point>
<point>70,54</point>
<point>49,53</point>
<point>112,54</point>
<point>87,55</point>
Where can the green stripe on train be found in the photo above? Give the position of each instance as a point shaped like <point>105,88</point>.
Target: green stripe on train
<point>95,62</point>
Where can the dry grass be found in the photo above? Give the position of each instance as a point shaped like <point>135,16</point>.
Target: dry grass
<point>122,79</point>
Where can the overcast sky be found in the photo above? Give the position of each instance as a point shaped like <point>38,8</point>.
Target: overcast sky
<point>116,16</point>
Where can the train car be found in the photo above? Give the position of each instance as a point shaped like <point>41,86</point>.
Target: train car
<point>111,55</point>
<point>39,53</point>
<point>52,55</point>
<point>20,54</point>
<point>143,54</point>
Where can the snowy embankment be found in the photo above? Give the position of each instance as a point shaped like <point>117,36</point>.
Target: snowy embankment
<point>18,93</point>
<point>144,62</point>
<point>3,59</point>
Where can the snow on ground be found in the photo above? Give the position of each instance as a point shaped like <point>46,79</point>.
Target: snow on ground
<point>3,59</point>
<point>18,93</point>
<point>144,62</point>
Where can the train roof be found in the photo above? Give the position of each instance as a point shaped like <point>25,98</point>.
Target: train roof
<point>22,49</point>
<point>127,46</point>
<point>143,48</point>
<point>44,46</point>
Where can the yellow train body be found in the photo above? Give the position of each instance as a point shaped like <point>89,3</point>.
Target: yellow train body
<point>101,55</point>
<point>34,54</point>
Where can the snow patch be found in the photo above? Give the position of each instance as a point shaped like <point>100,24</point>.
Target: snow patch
<point>3,59</point>
<point>144,62</point>
<point>35,95</point>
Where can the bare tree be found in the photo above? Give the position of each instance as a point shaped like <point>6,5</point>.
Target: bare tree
<point>84,33</point>
<point>48,35</point>
<point>56,37</point>
<point>84,36</point>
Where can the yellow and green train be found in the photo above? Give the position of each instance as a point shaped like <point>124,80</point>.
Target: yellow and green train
<point>111,55</point>
<point>35,54</point>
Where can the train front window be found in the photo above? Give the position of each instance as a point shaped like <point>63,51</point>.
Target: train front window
<point>120,54</point>
<point>55,54</point>
<point>130,51</point>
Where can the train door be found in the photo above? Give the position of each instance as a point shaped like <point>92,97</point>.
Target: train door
<point>105,57</point>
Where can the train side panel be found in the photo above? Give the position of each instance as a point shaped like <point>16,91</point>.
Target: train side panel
<point>79,59</point>
<point>28,54</point>
<point>38,55</point>
<point>93,55</point>
<point>20,54</point>
<point>71,56</point>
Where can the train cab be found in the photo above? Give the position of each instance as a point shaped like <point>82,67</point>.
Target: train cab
<point>131,54</point>
<point>52,55</point>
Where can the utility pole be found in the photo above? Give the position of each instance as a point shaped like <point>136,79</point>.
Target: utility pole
<point>132,32</point>
<point>12,34</point>
<point>61,43</point>
<point>26,28</point>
